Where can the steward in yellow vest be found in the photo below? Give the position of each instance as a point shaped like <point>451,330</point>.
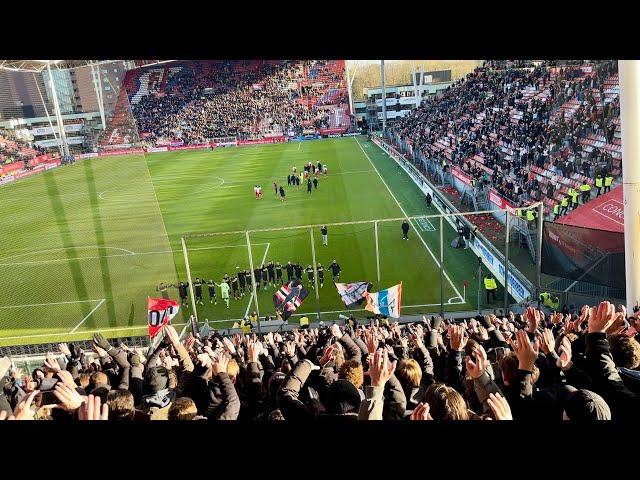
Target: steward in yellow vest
<point>574,198</point>
<point>585,188</point>
<point>599,184</point>
<point>556,211</point>
<point>490,286</point>
<point>608,180</point>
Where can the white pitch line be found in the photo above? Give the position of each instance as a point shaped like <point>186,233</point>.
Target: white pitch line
<point>88,315</point>
<point>102,330</point>
<point>299,145</point>
<point>129,252</point>
<point>251,297</point>
<point>411,222</point>
<point>47,304</point>
<point>59,260</point>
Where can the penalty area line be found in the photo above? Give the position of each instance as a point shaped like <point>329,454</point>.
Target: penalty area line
<point>87,316</point>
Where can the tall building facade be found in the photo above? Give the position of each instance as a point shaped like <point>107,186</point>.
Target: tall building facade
<point>19,96</point>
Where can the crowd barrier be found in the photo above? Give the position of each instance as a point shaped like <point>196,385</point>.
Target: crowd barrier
<point>520,288</point>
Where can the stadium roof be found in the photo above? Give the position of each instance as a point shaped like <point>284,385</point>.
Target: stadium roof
<point>39,65</point>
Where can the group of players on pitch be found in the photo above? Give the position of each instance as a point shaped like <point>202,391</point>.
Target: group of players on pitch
<point>295,179</point>
<point>241,282</point>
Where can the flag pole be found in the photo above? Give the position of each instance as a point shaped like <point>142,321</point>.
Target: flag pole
<point>186,263</point>
<point>375,224</point>
<point>315,272</point>
<point>253,279</point>
<point>441,268</point>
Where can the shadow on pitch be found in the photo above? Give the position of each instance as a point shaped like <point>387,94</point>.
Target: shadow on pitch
<point>67,241</point>
<point>99,231</point>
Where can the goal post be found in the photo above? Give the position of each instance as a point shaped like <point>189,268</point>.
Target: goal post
<point>438,274</point>
<point>189,279</point>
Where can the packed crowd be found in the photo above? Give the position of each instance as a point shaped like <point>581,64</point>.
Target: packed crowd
<point>582,366</point>
<point>12,150</point>
<point>204,100</point>
<point>506,117</point>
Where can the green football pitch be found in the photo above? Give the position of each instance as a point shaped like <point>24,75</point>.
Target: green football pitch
<point>83,246</point>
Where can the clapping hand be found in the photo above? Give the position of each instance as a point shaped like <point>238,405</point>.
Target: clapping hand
<point>92,409</point>
<point>335,331</point>
<point>532,316</point>
<point>64,349</point>
<point>526,351</point>
<point>51,362</point>
<point>229,346</point>
<point>371,342</point>
<point>564,359</point>
<point>499,406</point>
<point>546,340</point>
<point>602,319</point>
<point>477,368</point>
<point>421,412</point>
<point>328,355</point>
<point>380,369</point>
<point>219,365</point>
<point>457,337</point>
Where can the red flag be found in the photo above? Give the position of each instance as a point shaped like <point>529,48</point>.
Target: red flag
<point>160,312</point>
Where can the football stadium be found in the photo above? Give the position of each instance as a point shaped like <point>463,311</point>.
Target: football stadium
<point>262,240</point>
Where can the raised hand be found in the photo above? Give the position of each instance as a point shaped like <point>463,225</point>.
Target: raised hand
<point>100,351</point>
<point>66,378</point>
<point>532,316</point>
<point>92,409</point>
<point>69,398</point>
<point>219,365</point>
<point>380,369</point>
<point>23,410</point>
<point>328,355</point>
<point>371,341</point>
<point>51,362</point>
<point>483,333</point>
<point>421,412</point>
<point>477,368</point>
<point>564,360</point>
<point>499,406</point>
<point>189,342</point>
<point>277,337</point>
<point>172,335</point>
<point>417,341</point>
<point>546,340</point>
<point>602,319</point>
<point>457,337</point>
<point>290,349</point>
<point>229,346</point>
<point>556,318</point>
<point>335,331</point>
<point>101,342</point>
<point>526,351</point>
<point>63,348</point>
<point>254,348</point>
<point>204,359</point>
<point>269,338</point>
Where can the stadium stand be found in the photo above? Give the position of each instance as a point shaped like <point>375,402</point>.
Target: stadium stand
<point>193,101</point>
<point>12,150</point>
<point>531,130</point>
<point>578,366</point>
